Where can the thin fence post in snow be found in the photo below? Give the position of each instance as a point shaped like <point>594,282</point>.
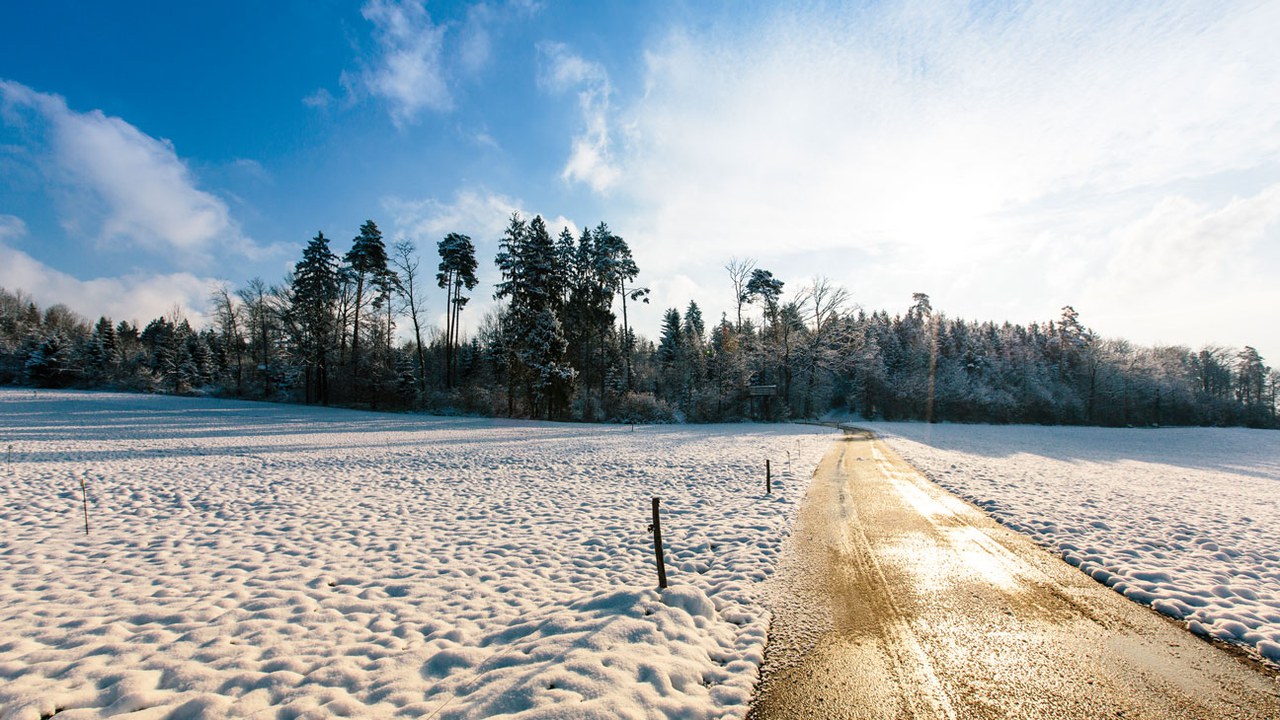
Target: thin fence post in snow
<point>768,478</point>
<point>656,529</point>
<point>84,494</point>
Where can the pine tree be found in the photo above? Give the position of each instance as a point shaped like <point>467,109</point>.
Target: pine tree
<point>533,288</point>
<point>671,358</point>
<point>671,338</point>
<point>313,308</point>
<point>48,364</point>
<point>457,271</point>
<point>694,327</point>
<point>588,315</point>
<point>765,287</point>
<point>367,260</point>
<point>99,356</point>
<point>615,268</point>
<point>543,353</point>
<point>1251,376</point>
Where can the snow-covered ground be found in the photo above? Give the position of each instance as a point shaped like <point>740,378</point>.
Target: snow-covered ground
<point>1183,519</point>
<point>280,561</point>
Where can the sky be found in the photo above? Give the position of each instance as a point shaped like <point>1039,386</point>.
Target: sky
<point>1008,159</point>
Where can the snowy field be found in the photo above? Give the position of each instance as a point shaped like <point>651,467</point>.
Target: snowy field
<point>252,560</point>
<point>1182,519</point>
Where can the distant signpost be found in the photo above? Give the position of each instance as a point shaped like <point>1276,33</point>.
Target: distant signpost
<point>761,400</point>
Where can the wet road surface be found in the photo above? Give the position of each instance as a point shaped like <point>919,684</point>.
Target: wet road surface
<point>898,600</point>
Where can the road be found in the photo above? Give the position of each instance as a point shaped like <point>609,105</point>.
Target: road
<point>898,600</point>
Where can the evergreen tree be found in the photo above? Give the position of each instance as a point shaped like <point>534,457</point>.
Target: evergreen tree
<point>672,338</point>
<point>457,271</point>
<point>588,316</point>
<point>100,355</point>
<point>763,286</point>
<point>615,268</point>
<point>671,354</point>
<point>367,260</point>
<point>312,311</point>
<point>530,283</point>
<point>694,326</point>
<point>1251,377</point>
<point>48,365</point>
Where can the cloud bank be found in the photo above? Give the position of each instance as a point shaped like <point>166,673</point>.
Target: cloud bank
<point>418,63</point>
<point>591,158</point>
<point>119,186</point>
<point>136,297</point>
<point>1007,160</point>
<point>408,71</point>
<point>478,213</point>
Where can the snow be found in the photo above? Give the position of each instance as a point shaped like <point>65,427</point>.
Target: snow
<point>1181,519</point>
<point>280,561</point>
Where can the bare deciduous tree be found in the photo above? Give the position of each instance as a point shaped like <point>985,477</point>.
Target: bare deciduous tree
<point>406,263</point>
<point>739,274</point>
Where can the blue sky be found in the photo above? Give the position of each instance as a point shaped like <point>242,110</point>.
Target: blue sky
<point>1008,159</point>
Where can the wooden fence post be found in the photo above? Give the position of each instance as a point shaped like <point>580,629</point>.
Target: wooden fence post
<point>656,529</point>
<point>768,478</point>
<point>84,494</point>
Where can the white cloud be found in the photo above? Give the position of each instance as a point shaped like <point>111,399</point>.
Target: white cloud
<point>12,227</point>
<point>418,64</point>
<point>591,156</point>
<point>485,140</point>
<point>250,168</point>
<point>475,43</point>
<point>985,156</point>
<point>137,298</point>
<point>474,49</point>
<point>124,186</point>
<point>321,99</point>
<point>409,70</point>
<point>477,213</point>
<point>1188,258</point>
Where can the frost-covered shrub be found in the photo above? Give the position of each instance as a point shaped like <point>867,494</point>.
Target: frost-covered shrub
<point>636,407</point>
<point>586,406</point>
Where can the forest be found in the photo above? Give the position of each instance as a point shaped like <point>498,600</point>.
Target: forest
<point>352,330</point>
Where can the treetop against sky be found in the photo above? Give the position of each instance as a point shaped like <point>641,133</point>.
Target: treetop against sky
<point>1008,160</point>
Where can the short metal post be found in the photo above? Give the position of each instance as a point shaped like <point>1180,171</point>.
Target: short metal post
<point>768,478</point>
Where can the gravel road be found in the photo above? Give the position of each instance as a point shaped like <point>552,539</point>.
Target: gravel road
<point>898,600</point>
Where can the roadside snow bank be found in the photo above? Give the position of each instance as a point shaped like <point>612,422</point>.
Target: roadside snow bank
<point>1181,519</point>
<point>248,558</point>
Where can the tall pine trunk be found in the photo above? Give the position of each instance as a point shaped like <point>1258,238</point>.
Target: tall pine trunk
<point>448,329</point>
<point>355,330</point>
<point>455,341</point>
<point>626,335</point>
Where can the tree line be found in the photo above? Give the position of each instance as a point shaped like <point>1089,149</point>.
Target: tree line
<point>559,345</point>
